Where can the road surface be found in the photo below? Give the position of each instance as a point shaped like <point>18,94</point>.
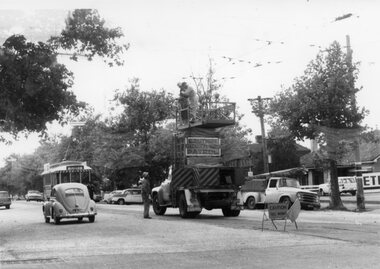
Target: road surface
<point>121,238</point>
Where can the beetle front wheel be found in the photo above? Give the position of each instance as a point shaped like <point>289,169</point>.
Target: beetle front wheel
<point>57,220</point>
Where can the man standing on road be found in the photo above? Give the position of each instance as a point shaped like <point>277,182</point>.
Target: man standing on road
<point>145,193</point>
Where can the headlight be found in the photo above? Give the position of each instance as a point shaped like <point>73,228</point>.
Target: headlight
<point>298,195</point>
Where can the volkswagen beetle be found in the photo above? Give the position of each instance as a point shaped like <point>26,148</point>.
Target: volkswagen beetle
<point>69,200</point>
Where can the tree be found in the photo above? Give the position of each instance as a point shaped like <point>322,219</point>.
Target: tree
<point>86,35</point>
<point>321,101</point>
<point>283,148</point>
<point>34,88</point>
<point>143,112</point>
<point>234,138</point>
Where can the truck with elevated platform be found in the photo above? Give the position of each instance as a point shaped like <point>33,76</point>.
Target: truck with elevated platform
<point>197,179</point>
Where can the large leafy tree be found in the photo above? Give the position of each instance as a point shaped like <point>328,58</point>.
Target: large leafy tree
<point>282,147</point>
<point>34,88</point>
<point>143,112</point>
<point>321,100</point>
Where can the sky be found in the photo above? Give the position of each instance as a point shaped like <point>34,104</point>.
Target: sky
<point>257,47</point>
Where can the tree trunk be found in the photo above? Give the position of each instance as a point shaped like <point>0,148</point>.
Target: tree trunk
<point>335,201</point>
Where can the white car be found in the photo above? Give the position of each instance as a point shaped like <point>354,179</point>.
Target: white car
<point>108,196</point>
<point>346,185</point>
<point>127,196</point>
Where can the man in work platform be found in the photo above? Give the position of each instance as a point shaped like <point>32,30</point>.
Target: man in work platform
<point>145,193</point>
<point>187,92</point>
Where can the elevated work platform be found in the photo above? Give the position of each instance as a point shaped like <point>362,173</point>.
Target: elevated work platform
<point>213,115</point>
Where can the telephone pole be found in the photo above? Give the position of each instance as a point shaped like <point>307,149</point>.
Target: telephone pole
<point>258,108</point>
<point>360,201</point>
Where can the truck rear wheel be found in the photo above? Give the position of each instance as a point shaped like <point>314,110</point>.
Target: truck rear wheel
<point>158,210</point>
<point>230,212</point>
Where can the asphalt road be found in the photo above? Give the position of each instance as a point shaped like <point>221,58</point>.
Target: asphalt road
<point>121,238</point>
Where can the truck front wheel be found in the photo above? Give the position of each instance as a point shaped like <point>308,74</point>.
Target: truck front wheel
<point>158,210</point>
<point>251,202</point>
<point>286,200</point>
<point>183,208</point>
<point>230,212</point>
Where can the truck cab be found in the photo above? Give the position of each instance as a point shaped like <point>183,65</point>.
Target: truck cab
<point>277,190</point>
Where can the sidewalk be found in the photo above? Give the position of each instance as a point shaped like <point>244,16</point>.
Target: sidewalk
<point>370,197</point>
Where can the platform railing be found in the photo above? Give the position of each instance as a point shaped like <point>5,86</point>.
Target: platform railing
<point>214,111</point>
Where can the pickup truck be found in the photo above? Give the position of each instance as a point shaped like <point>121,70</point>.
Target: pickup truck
<point>277,190</point>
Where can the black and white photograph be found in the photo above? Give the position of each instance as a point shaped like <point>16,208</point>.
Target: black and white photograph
<point>189,134</point>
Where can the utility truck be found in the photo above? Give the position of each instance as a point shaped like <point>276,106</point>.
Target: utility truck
<point>261,191</point>
<point>197,179</point>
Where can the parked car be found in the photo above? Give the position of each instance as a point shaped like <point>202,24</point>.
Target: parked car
<point>108,196</point>
<point>97,197</point>
<point>346,185</point>
<point>33,195</point>
<point>69,200</point>
<point>5,199</point>
<point>128,196</point>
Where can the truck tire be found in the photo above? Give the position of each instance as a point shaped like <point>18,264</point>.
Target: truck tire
<point>286,200</point>
<point>230,212</point>
<point>183,208</point>
<point>120,202</point>
<point>251,202</point>
<point>353,193</point>
<point>158,210</point>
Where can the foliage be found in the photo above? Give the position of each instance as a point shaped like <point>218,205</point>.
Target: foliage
<point>143,112</point>
<point>282,147</point>
<point>86,35</point>
<point>208,88</point>
<point>323,96</point>
<point>34,88</point>
<point>323,102</point>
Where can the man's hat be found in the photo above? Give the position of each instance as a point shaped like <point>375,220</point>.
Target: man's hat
<point>182,84</point>
<point>145,174</point>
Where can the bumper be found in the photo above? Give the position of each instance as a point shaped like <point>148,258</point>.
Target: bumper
<point>77,215</point>
<point>35,199</point>
<point>310,205</point>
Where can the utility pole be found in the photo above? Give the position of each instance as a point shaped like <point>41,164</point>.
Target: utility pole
<point>360,202</point>
<point>258,108</point>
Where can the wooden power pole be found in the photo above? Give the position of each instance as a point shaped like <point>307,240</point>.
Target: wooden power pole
<point>358,168</point>
<point>258,109</point>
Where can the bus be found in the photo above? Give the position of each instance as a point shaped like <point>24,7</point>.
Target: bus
<point>63,172</point>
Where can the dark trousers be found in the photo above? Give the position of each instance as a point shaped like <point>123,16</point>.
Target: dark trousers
<point>146,208</point>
